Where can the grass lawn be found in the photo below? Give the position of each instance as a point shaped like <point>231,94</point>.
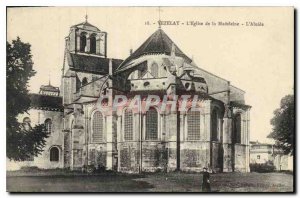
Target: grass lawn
<point>66,181</point>
<point>222,182</point>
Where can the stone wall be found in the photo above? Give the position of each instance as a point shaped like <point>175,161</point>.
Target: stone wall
<point>67,149</point>
<point>194,156</point>
<point>154,156</point>
<point>97,155</point>
<point>129,157</point>
<point>240,158</point>
<point>237,95</point>
<point>216,157</point>
<point>55,139</point>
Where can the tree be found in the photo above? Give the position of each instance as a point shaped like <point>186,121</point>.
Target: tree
<point>21,143</point>
<point>284,125</point>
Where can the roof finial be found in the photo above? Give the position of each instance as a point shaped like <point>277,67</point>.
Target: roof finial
<point>86,17</point>
<point>159,21</point>
<point>49,80</point>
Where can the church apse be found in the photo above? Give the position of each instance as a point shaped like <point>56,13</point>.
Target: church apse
<point>129,139</point>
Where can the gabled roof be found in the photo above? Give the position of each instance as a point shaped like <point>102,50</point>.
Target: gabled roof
<point>46,102</point>
<point>158,43</point>
<point>93,64</point>
<point>86,25</point>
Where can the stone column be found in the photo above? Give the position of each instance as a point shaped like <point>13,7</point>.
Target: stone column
<point>119,125</point>
<point>72,149</point>
<point>78,41</point>
<point>247,140</point>
<point>87,121</point>
<point>183,127</point>
<point>109,142</point>
<point>88,43</point>
<point>98,44</point>
<point>143,137</point>
<point>172,140</point>
<point>227,144</point>
<point>207,131</point>
<point>172,126</point>
<point>137,130</point>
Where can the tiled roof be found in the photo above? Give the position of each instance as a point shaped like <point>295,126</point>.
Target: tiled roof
<point>158,43</point>
<point>46,102</point>
<point>87,63</point>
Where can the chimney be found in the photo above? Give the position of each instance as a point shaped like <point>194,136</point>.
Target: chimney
<point>130,52</point>
<point>110,67</point>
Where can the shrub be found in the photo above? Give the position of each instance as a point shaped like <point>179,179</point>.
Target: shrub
<point>88,168</point>
<point>101,169</point>
<point>262,168</point>
<point>29,168</point>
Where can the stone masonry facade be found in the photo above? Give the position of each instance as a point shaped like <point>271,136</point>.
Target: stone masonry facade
<point>216,136</point>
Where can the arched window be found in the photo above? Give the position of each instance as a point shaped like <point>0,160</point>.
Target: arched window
<point>237,121</point>
<point>93,43</point>
<point>142,69</point>
<point>151,124</point>
<point>48,125</point>
<point>128,125</point>
<point>26,120</point>
<point>27,123</point>
<point>54,154</point>
<point>163,72</point>
<point>97,134</point>
<point>82,41</point>
<point>154,70</point>
<point>214,125</point>
<point>193,125</point>
<point>84,81</point>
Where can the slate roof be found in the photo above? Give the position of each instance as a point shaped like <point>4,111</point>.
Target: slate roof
<point>93,64</point>
<point>158,43</point>
<point>46,102</point>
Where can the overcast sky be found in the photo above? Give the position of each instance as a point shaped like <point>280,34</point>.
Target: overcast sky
<point>258,60</point>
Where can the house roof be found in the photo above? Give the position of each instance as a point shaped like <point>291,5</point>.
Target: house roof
<point>94,64</point>
<point>46,102</point>
<point>158,43</point>
<point>49,88</point>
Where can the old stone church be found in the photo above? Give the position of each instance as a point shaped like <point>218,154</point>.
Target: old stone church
<point>216,136</point>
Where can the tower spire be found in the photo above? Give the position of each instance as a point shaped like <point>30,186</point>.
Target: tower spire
<point>86,17</point>
<point>159,21</point>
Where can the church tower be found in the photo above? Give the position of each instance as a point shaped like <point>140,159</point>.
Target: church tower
<point>84,38</point>
<point>85,50</point>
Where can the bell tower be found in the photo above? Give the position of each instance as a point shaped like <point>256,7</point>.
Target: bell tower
<point>85,38</point>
